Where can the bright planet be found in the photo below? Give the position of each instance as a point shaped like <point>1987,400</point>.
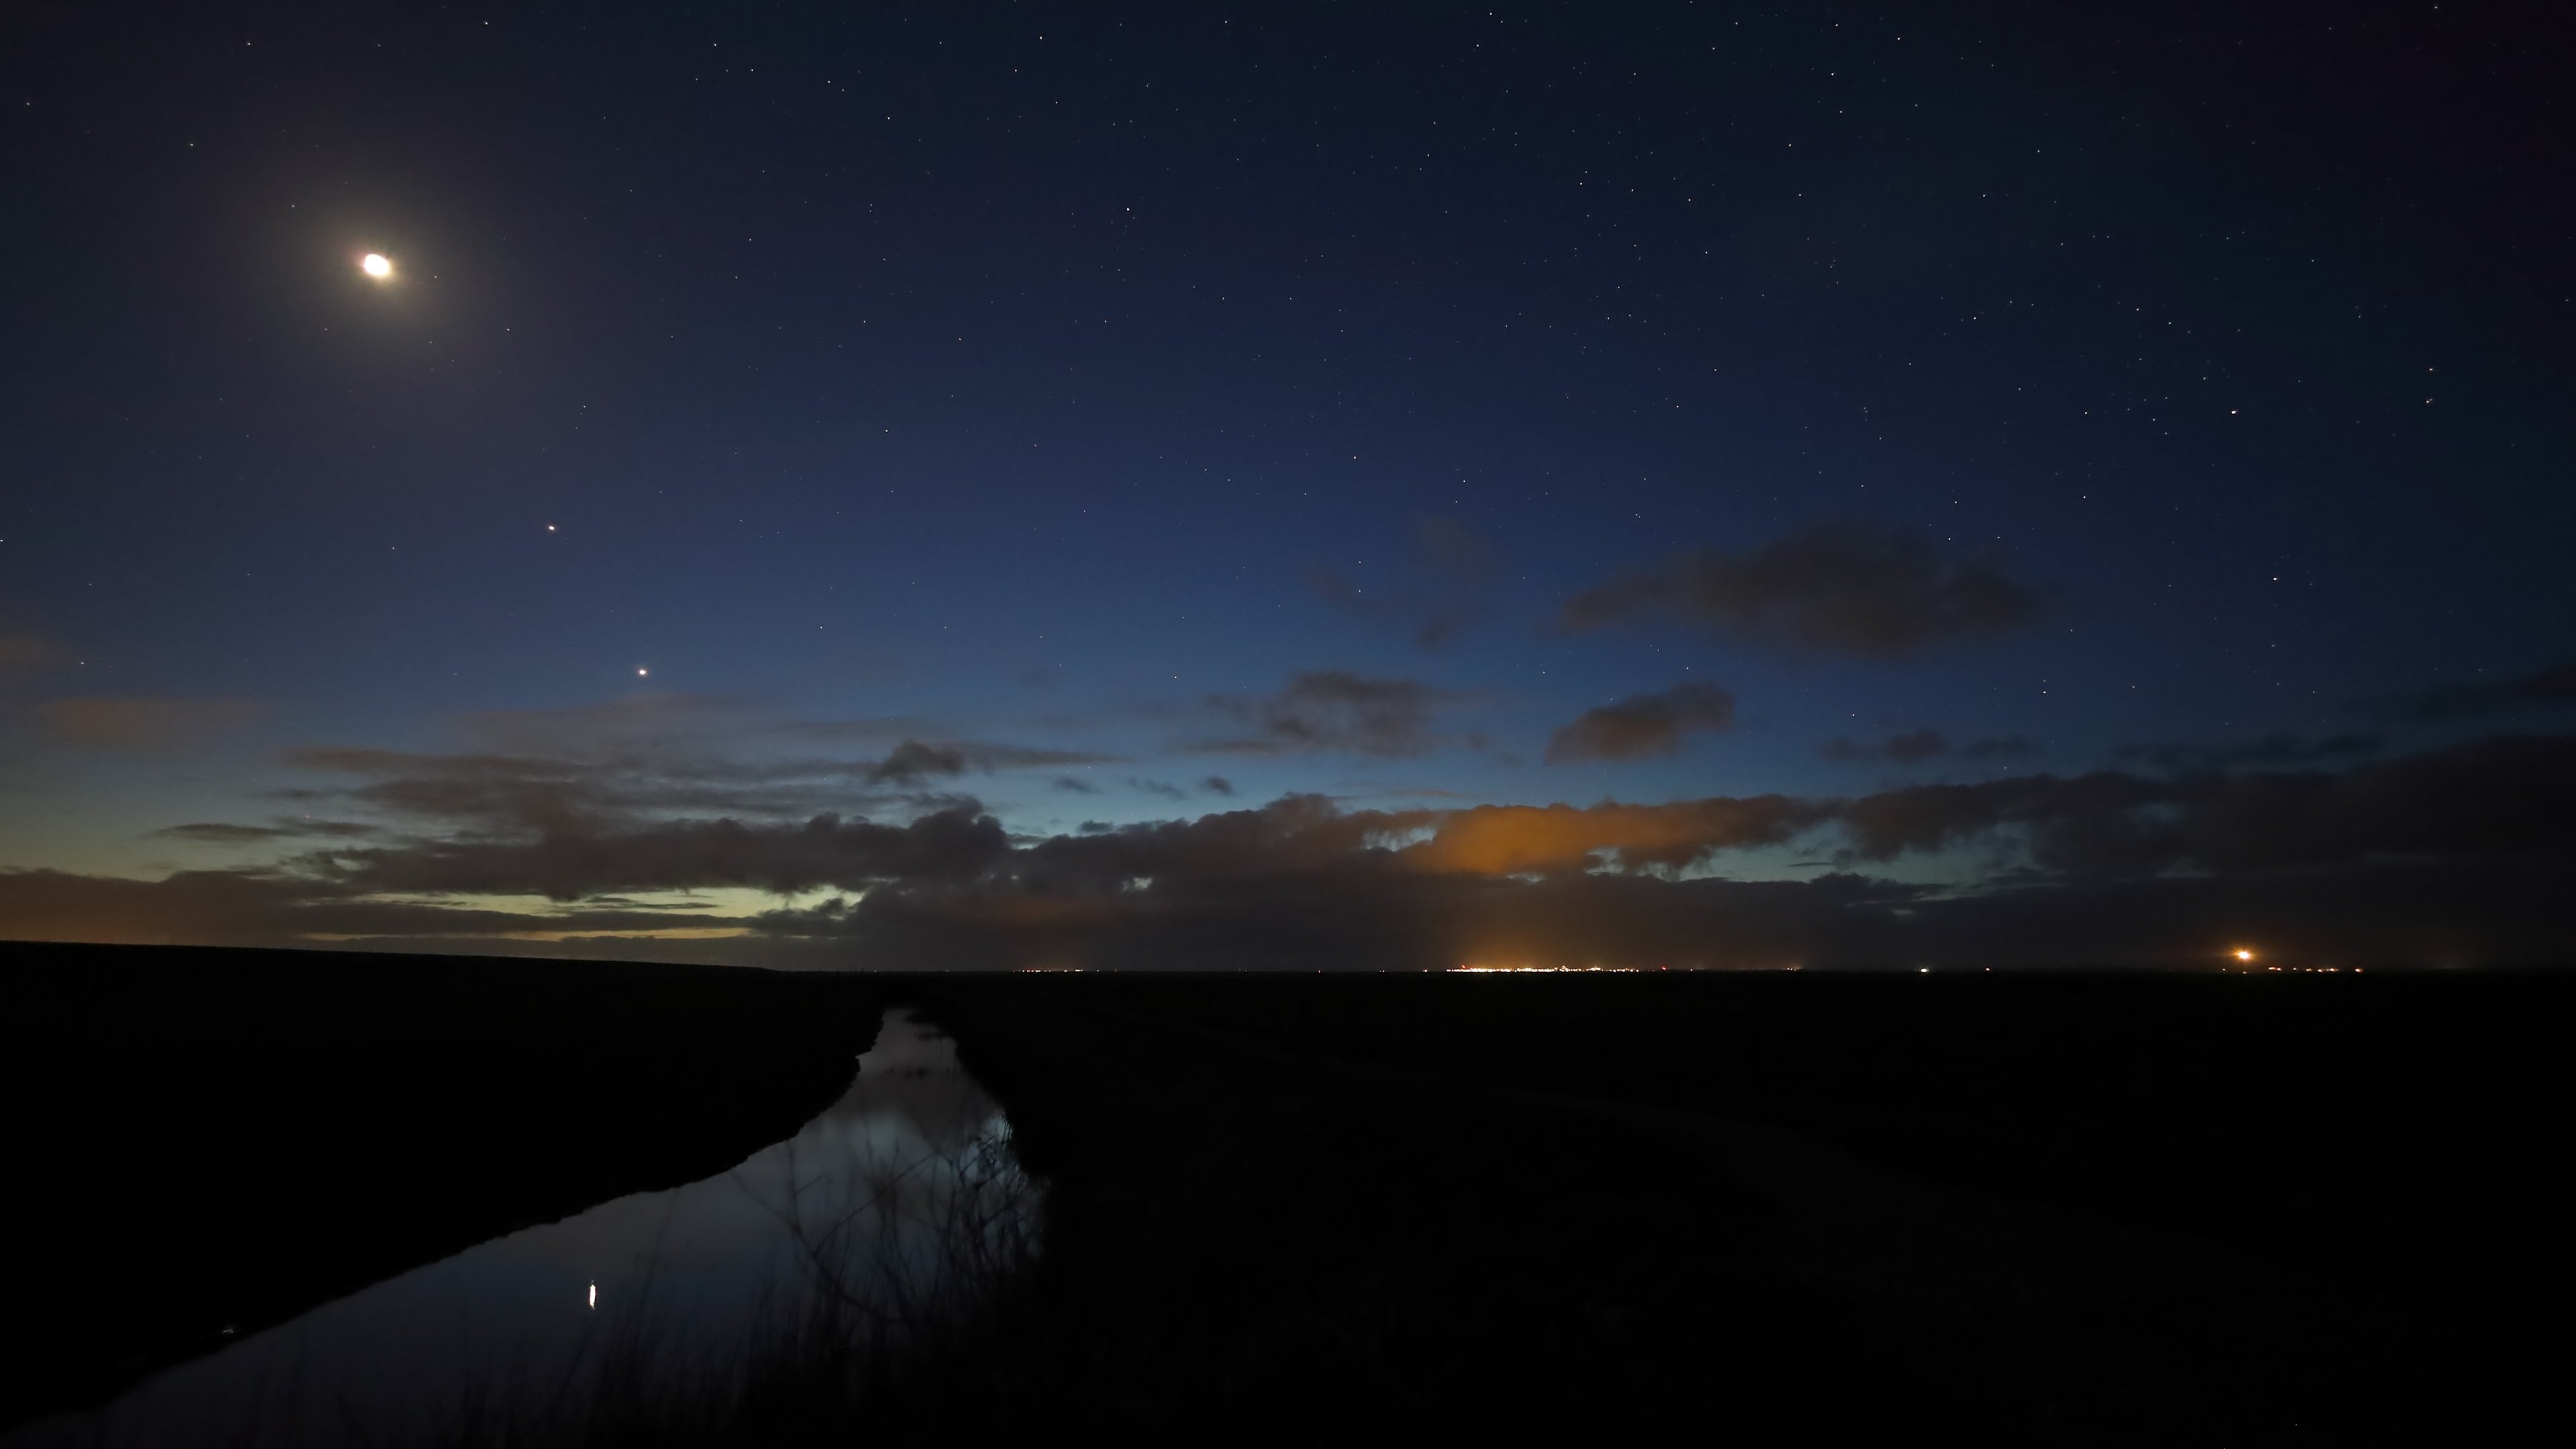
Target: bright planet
<point>377,266</point>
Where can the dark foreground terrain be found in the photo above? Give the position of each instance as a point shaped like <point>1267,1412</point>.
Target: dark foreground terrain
<point>2071,1209</point>
<point>1771,1209</point>
<point>203,1140</point>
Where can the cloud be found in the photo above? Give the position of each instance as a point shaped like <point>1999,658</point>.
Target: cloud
<point>2539,689</point>
<point>855,731</point>
<point>1363,912</point>
<point>568,865</point>
<point>1076,785</point>
<point>2409,862</point>
<point>629,721</point>
<point>630,779</point>
<point>1444,594</point>
<point>2506,793</point>
<point>1217,785</point>
<point>218,833</point>
<point>2275,749</point>
<point>269,908</point>
<point>2455,854</point>
<point>1913,747</point>
<point>630,760</point>
<point>2502,796</point>
<point>1999,747</point>
<point>22,650</point>
<point>1909,748</point>
<point>146,724</point>
<point>988,755</point>
<point>215,833</point>
<point>912,762</point>
<point>1643,726</point>
<point>1335,710</point>
<point>499,793</point>
<point>1846,588</point>
<point>919,735</point>
<point>2376,914</point>
<point>1513,839</point>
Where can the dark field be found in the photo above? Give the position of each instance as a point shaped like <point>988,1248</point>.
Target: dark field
<point>1775,1209</point>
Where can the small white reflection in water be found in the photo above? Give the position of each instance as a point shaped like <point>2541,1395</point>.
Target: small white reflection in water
<point>894,1208</point>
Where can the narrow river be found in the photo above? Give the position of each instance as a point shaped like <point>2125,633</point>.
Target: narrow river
<point>899,1205</point>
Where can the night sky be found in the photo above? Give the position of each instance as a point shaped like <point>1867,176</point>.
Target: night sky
<point>1316,486</point>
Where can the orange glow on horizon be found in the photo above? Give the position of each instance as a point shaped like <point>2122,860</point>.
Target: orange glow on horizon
<point>1476,969</point>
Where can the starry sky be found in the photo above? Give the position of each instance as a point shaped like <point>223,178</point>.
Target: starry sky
<point>1306,486</point>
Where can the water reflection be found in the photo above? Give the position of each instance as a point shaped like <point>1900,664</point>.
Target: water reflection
<point>892,1213</point>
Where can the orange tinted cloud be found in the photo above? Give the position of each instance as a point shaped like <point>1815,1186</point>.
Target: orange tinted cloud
<point>20,650</point>
<point>1508,839</point>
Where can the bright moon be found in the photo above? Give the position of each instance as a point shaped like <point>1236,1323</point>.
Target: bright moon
<point>376,266</point>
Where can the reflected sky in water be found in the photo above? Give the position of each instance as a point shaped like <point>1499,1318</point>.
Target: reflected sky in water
<point>898,1202</point>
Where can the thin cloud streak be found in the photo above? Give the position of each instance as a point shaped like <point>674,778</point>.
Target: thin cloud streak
<point>1335,710</point>
<point>1847,588</point>
<point>1643,726</point>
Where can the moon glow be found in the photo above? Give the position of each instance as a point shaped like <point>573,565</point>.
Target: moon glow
<point>377,266</point>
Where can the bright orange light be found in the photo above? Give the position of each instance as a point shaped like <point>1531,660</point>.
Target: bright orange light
<point>2242,954</point>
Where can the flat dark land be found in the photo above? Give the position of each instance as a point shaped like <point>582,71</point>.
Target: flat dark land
<point>1983,1208</point>
<point>2075,1209</point>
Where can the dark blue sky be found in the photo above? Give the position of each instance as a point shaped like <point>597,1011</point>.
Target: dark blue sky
<point>1094,401</point>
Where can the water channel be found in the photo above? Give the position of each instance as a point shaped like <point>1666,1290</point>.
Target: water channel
<point>897,1207</point>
